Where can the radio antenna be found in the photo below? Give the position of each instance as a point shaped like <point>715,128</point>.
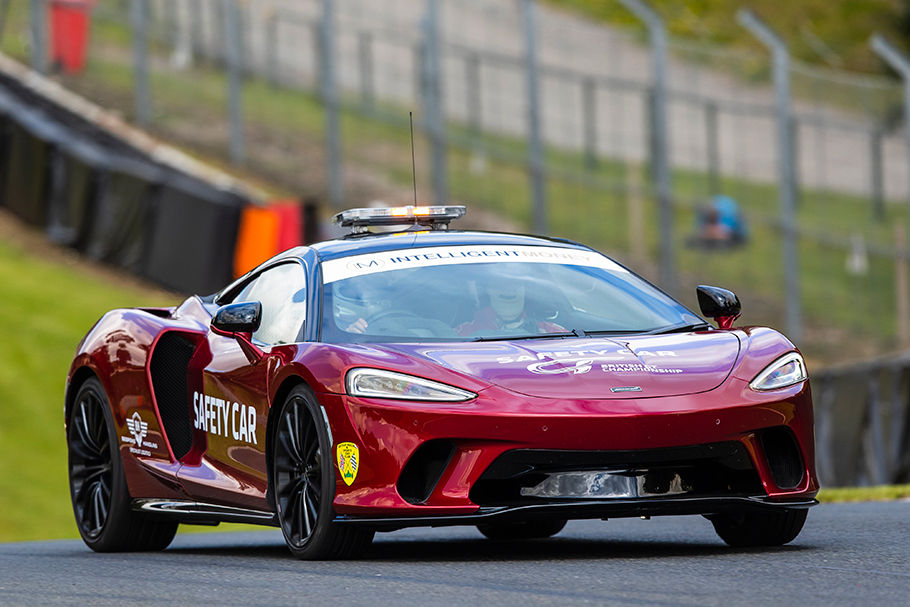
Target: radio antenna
<point>413,162</point>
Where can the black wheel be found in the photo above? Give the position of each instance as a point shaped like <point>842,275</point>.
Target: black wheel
<point>526,530</point>
<point>303,477</point>
<point>101,500</point>
<point>773,529</point>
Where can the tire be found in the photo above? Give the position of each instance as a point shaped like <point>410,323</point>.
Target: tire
<point>303,477</point>
<point>527,530</point>
<point>750,530</point>
<point>101,499</point>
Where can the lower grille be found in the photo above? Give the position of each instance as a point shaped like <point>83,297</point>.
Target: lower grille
<point>529,476</point>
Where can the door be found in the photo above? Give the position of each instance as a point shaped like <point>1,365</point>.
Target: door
<point>229,394</point>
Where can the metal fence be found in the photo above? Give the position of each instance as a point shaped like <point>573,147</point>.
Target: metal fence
<point>557,125</point>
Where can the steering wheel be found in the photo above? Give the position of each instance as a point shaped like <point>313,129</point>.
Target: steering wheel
<point>391,313</point>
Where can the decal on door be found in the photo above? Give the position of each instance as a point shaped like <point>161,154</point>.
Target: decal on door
<point>221,417</point>
<point>348,461</point>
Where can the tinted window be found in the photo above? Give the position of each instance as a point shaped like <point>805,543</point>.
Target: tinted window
<point>282,292</point>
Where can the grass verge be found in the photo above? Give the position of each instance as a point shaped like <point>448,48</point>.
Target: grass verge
<point>864,494</point>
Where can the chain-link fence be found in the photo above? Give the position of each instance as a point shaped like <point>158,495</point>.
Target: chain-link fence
<point>540,120</point>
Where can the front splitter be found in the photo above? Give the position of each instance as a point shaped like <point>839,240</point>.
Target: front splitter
<point>588,509</point>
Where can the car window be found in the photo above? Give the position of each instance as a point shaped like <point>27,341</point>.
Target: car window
<point>282,292</point>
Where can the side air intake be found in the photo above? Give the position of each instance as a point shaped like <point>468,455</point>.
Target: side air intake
<point>170,360</point>
<point>784,458</point>
<point>423,471</point>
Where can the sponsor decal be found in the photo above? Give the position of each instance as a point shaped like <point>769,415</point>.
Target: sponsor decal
<point>348,267</point>
<point>622,354</point>
<point>626,389</point>
<point>221,417</point>
<point>367,264</point>
<point>139,430</point>
<point>584,365</point>
<point>348,461</point>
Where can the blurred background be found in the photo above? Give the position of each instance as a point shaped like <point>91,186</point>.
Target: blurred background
<point>761,146</point>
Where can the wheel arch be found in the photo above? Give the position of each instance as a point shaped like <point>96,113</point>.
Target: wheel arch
<point>79,377</point>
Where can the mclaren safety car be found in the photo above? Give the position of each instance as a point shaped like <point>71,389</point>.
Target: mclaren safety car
<point>429,377</point>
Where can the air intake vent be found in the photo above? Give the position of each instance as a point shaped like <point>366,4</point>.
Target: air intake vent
<point>784,458</point>
<point>423,470</point>
<point>170,360</point>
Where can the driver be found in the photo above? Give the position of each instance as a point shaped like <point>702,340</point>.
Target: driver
<point>506,309</point>
<point>372,294</point>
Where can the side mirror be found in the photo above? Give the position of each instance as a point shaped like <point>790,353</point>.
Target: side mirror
<point>238,317</point>
<point>719,304</point>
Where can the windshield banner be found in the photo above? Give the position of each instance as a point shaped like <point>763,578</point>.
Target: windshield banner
<point>385,261</point>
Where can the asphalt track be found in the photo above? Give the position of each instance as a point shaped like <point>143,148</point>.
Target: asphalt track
<point>848,554</point>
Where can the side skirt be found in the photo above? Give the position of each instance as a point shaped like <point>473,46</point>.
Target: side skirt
<point>199,513</point>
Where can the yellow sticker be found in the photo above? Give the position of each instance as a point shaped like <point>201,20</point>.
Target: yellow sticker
<point>348,461</point>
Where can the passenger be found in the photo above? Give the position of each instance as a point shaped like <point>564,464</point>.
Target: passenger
<point>506,311</point>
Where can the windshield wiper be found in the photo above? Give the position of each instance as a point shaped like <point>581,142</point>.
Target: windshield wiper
<point>683,328</point>
<point>525,337</point>
<point>608,332</point>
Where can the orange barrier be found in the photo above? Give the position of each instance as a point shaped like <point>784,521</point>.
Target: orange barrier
<point>257,238</point>
<point>266,231</point>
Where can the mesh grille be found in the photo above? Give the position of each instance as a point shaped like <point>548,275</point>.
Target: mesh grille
<point>170,361</point>
<point>423,471</point>
<point>784,458</point>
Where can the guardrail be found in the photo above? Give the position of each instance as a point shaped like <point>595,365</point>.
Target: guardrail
<point>121,197</point>
<point>862,422</point>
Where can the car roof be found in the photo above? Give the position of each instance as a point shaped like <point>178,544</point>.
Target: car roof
<point>372,243</point>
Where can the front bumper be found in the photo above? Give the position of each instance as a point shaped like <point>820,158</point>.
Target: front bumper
<point>460,442</point>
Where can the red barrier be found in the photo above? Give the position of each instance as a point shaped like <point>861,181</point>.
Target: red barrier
<point>70,21</point>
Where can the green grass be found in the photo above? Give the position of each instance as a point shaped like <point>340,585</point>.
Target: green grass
<point>48,307</point>
<point>844,26</point>
<point>864,494</point>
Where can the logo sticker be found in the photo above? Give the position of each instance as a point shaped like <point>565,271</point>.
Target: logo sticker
<point>626,389</point>
<point>138,428</point>
<point>348,461</point>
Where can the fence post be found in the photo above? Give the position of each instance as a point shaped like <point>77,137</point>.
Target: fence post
<point>330,100</point>
<point>713,144</point>
<point>141,88</point>
<point>876,138</point>
<point>536,164</point>
<point>39,35</point>
<point>435,119</point>
<point>365,58</point>
<point>901,287</point>
<point>233,51</point>
<point>660,141</point>
<point>270,17</point>
<point>472,91</point>
<point>589,118</point>
<point>781,58</point>
<point>901,64</point>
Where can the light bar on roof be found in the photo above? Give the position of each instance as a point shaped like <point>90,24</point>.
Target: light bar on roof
<point>433,216</point>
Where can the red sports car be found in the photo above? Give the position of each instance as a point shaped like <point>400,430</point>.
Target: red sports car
<point>432,377</point>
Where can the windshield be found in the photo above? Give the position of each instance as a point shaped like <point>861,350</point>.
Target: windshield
<point>486,293</point>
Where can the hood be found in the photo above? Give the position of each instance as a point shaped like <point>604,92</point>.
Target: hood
<point>592,368</point>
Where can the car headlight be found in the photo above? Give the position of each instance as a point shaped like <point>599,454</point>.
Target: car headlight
<point>786,371</point>
<point>376,383</point>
